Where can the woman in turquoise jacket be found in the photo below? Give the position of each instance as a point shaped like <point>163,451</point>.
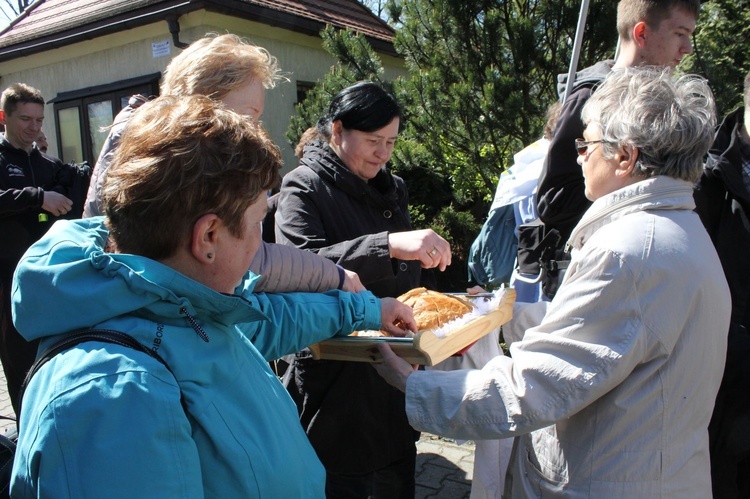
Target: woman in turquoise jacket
<point>168,266</point>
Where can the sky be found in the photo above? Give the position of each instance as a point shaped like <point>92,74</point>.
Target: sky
<point>6,14</point>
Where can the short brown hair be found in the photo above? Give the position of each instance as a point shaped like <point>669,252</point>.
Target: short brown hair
<point>552,114</point>
<point>653,12</point>
<point>215,65</point>
<point>310,135</point>
<point>181,158</point>
<point>19,93</point>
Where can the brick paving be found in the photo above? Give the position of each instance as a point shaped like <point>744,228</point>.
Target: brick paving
<point>444,467</point>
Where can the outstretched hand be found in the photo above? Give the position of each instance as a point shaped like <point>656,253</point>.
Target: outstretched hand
<point>424,245</point>
<point>394,370</point>
<point>397,318</point>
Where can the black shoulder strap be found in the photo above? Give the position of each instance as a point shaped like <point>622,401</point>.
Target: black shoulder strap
<point>104,335</point>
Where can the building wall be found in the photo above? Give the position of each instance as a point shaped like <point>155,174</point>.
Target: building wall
<point>129,54</point>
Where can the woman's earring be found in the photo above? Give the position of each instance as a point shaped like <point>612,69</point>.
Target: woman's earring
<point>210,256</point>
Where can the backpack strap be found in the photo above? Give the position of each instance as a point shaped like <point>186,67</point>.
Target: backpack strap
<point>103,335</point>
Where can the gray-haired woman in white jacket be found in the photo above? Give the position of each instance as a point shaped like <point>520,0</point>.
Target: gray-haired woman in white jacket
<point>610,389</point>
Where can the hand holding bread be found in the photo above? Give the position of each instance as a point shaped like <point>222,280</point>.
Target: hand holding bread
<point>397,318</point>
<point>430,310</point>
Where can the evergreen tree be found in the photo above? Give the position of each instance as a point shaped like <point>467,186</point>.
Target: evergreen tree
<point>481,75</point>
<point>357,61</point>
<point>722,51</point>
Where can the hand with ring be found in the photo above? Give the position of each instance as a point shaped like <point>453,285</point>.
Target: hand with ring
<point>424,245</point>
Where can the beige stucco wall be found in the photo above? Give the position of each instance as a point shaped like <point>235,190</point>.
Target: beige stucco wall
<point>129,54</point>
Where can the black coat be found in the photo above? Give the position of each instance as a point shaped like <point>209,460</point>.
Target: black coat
<point>355,421</point>
<point>23,179</point>
<point>723,203</point>
<point>561,200</point>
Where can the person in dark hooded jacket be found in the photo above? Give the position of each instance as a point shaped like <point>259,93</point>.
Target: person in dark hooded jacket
<point>722,199</point>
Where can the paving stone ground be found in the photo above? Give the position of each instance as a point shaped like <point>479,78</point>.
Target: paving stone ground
<point>444,467</point>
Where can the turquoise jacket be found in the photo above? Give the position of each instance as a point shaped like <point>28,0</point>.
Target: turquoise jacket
<point>101,420</point>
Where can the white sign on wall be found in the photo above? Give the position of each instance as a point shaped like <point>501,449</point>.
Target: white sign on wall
<point>160,49</point>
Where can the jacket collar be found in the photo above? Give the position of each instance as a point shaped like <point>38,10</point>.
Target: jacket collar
<point>587,77</point>
<point>70,261</point>
<point>177,296</point>
<point>379,191</point>
<point>5,145</point>
<point>655,193</point>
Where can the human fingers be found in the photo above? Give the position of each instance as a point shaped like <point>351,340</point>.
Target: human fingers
<point>428,258</point>
<point>445,260</point>
<point>394,370</point>
<point>56,203</point>
<point>440,254</point>
<point>397,318</point>
<point>65,206</point>
<point>62,209</point>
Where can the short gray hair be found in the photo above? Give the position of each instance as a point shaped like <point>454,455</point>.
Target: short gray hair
<point>670,120</point>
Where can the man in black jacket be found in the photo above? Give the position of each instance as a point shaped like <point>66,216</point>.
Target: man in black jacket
<point>722,199</point>
<point>652,32</point>
<point>31,199</point>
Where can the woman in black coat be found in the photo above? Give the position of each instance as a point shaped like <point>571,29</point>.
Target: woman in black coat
<point>344,204</point>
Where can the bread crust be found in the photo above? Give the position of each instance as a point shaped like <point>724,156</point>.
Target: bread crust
<point>433,309</point>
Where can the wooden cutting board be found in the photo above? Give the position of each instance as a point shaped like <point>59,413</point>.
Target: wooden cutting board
<point>425,347</point>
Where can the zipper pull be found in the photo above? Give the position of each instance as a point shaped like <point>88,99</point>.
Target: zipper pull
<point>194,324</point>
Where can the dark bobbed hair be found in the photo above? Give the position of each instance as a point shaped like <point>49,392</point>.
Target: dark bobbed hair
<point>364,106</point>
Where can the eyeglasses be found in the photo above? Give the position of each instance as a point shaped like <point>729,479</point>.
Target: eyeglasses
<point>582,146</point>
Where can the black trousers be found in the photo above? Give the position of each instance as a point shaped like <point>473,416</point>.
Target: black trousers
<point>395,481</point>
<point>16,354</point>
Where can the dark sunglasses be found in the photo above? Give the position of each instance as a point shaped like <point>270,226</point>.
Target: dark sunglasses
<point>582,146</point>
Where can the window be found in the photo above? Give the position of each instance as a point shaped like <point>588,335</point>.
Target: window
<point>82,117</point>
<point>303,87</point>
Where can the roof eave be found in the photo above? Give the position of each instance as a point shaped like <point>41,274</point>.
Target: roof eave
<point>288,21</point>
<point>150,15</point>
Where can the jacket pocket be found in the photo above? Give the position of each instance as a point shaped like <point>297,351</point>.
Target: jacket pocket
<point>547,472</point>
